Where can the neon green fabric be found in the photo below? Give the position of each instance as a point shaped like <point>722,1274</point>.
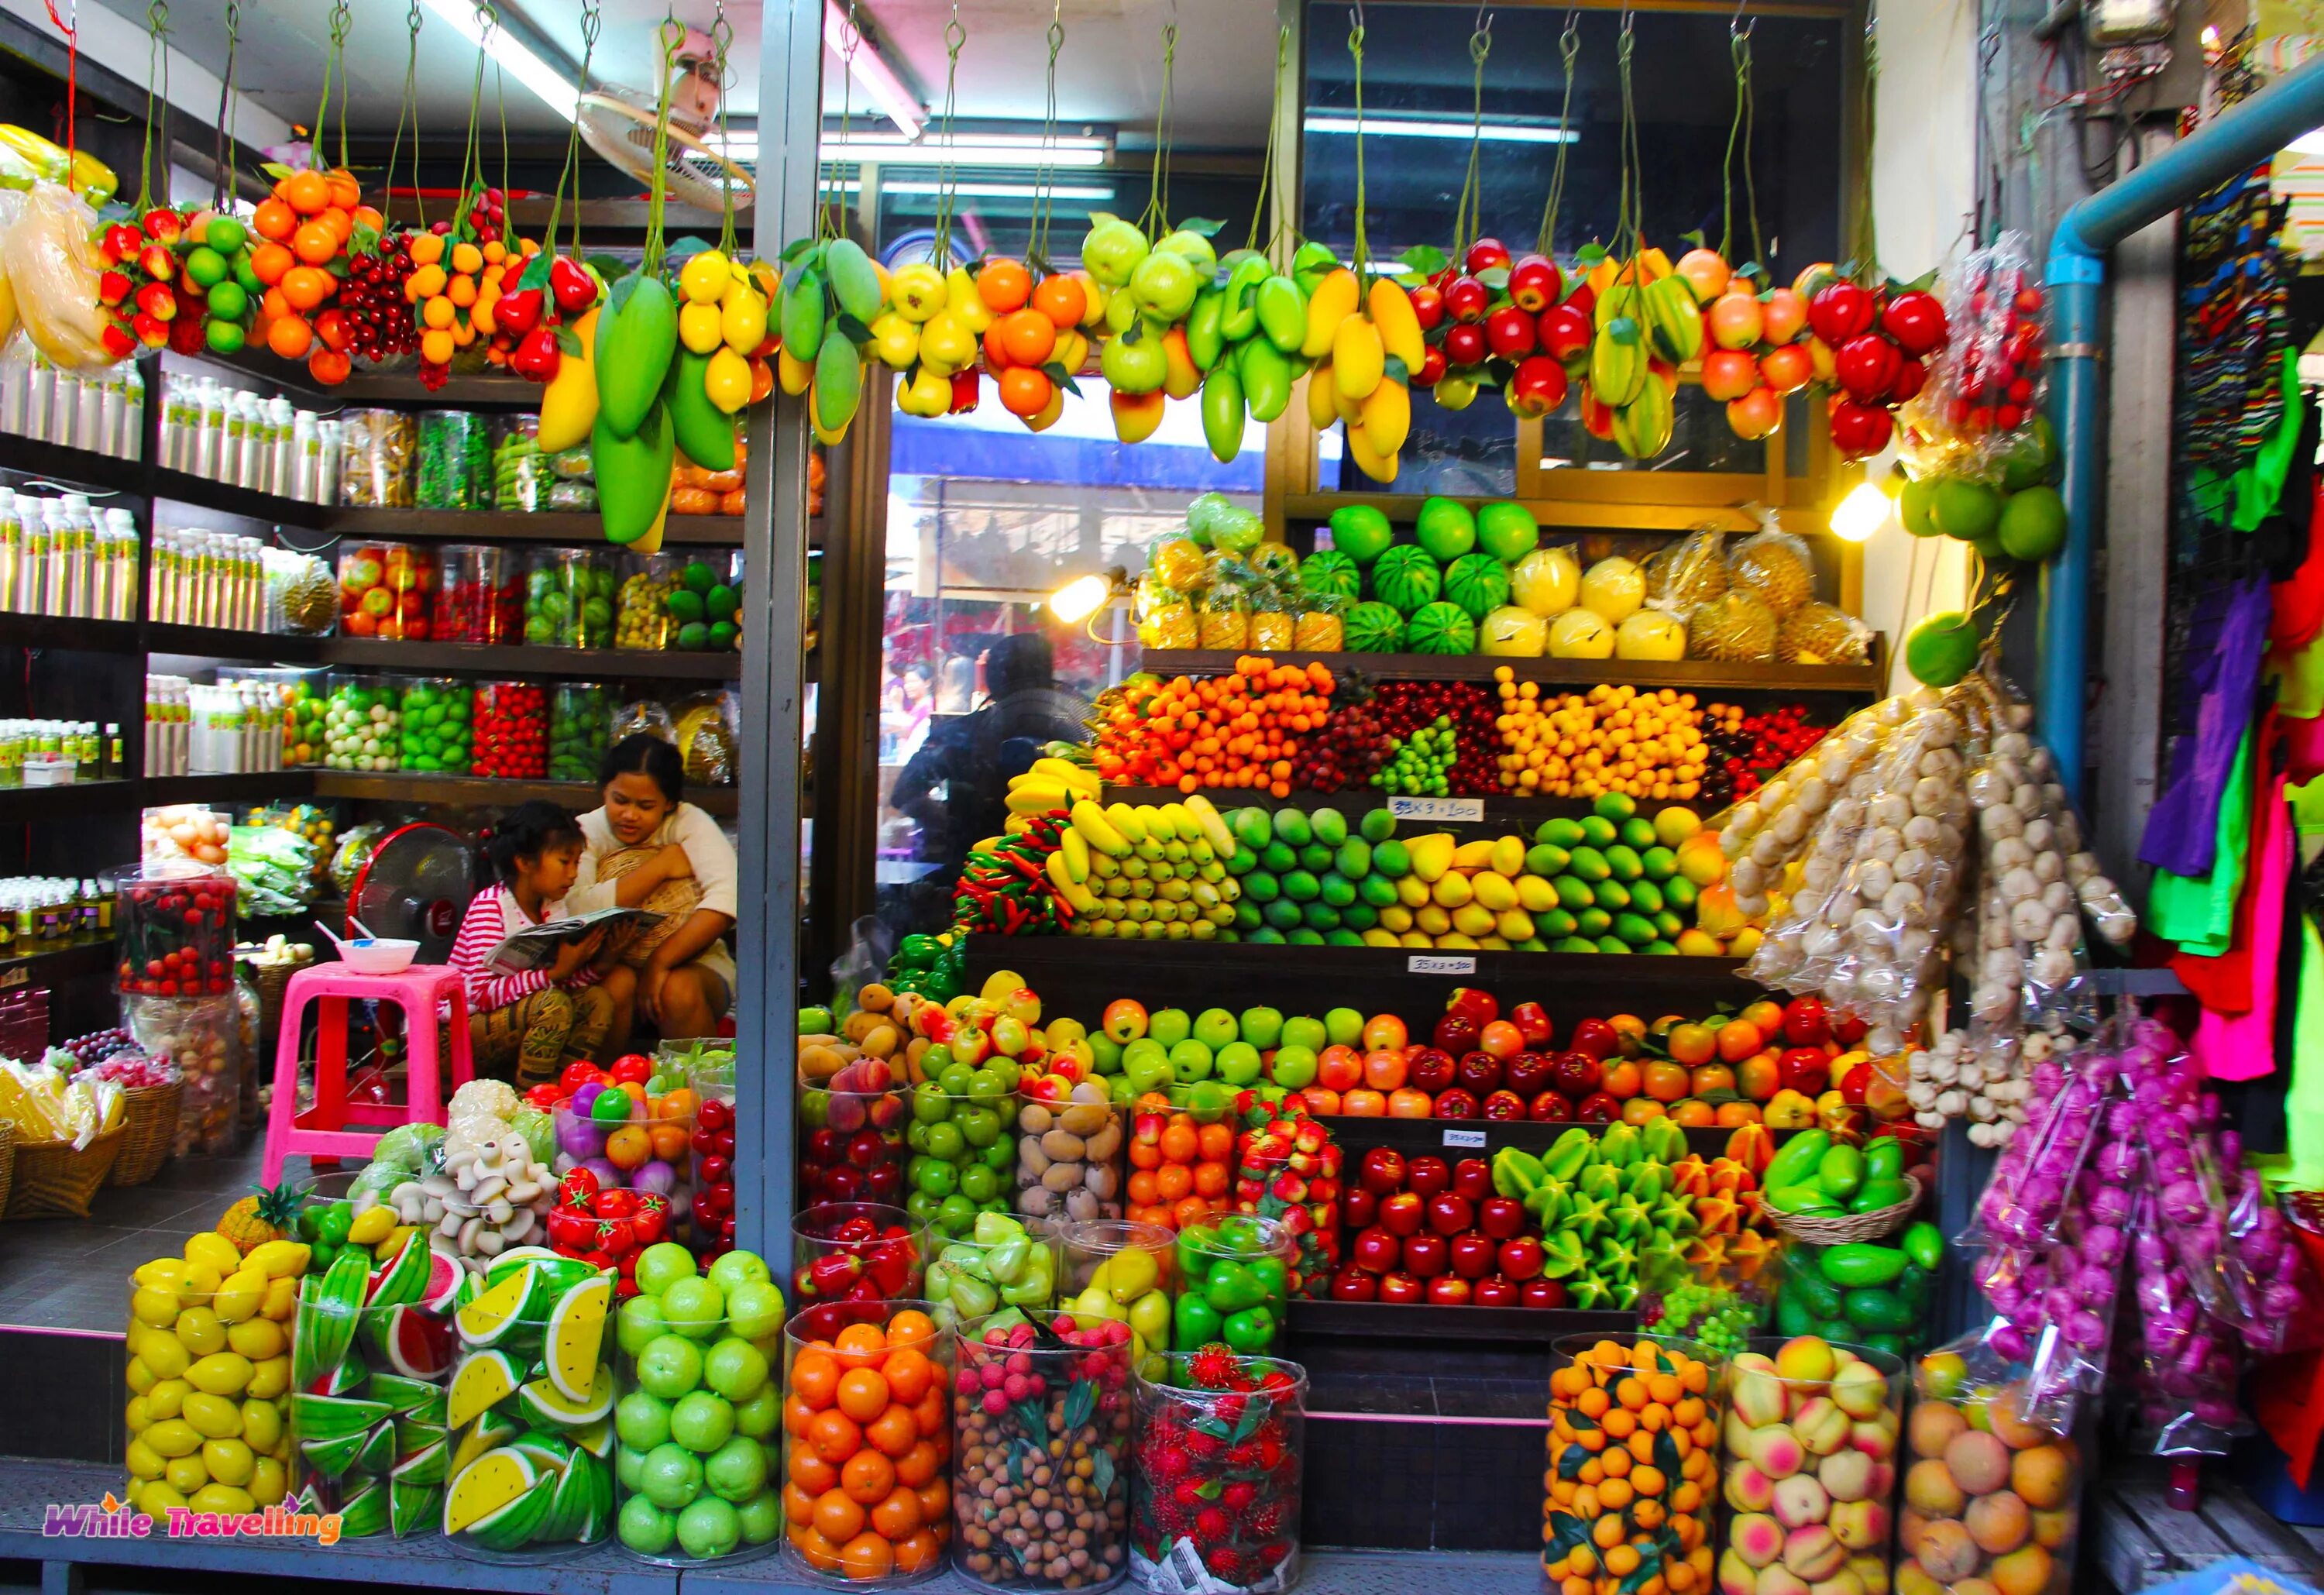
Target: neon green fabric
<point>2199,915</point>
<point>2304,1106</point>
<point>2299,681</point>
<point>2251,495</point>
<point>2308,806</point>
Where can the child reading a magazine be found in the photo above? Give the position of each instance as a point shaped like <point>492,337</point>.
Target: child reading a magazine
<point>539,1019</point>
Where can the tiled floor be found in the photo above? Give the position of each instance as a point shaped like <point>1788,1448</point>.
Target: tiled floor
<point>66,1273</point>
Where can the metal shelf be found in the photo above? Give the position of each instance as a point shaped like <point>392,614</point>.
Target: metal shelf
<point>528,660</point>
<point>61,963</point>
<point>575,528</point>
<point>478,791</point>
<point>1686,675</point>
<point>66,632</point>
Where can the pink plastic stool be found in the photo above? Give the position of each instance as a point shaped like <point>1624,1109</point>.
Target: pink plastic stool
<point>322,1130</point>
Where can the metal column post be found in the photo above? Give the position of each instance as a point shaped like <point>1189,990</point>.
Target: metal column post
<point>774,540</point>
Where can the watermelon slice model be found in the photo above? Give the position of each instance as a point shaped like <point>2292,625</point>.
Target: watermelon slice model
<point>414,1508</point>
<point>417,1343</point>
<point>366,1511</point>
<point>404,1278</point>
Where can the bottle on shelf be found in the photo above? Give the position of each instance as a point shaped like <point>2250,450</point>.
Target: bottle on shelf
<point>168,728</point>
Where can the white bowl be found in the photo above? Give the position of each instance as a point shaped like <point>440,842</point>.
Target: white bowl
<point>378,954</point>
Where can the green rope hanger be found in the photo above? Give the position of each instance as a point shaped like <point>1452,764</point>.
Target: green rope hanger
<point>157,71</point>
<point>1469,214</point>
<point>1154,221</point>
<point>592,21</point>
<point>225,180</point>
<point>335,62</point>
<point>1568,50</point>
<point>1630,223</point>
<point>1267,171</point>
<point>1868,231</point>
<point>947,180</point>
<point>1356,53</point>
<point>408,111</point>
<point>472,154</point>
<point>1045,178</point>
<point>850,41</point>
<point>673,36</point>
<point>722,40</point>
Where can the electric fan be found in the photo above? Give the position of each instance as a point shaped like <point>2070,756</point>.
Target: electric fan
<point>416,885</point>
<point>618,122</point>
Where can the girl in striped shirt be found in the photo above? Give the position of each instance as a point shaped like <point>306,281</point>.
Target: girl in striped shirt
<point>541,1019</point>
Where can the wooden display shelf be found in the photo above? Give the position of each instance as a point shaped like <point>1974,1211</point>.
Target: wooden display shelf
<point>1390,1321</point>
<point>28,803</point>
<point>1080,974</point>
<point>1506,811</point>
<point>1685,674</point>
<point>58,963</point>
<point>226,499</point>
<point>524,661</point>
<point>227,642</point>
<point>260,786</point>
<point>478,791</point>
<point>1415,1135</point>
<point>570,528</point>
<point>99,474</point>
<point>66,632</point>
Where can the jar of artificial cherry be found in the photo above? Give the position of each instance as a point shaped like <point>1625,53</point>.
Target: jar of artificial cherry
<point>713,1142</point>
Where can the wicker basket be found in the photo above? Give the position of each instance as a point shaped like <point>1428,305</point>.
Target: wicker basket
<point>1826,1230</point>
<point>148,1124</point>
<point>52,1177</point>
<point>8,1158</point>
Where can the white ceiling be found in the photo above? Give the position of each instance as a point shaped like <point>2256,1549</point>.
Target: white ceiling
<point>1109,73</point>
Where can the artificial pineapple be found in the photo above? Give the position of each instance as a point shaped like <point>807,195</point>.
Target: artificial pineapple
<point>257,1219</point>
<point>1821,634</point>
<point>1774,567</point>
<point>1734,626</point>
<point>1688,571</point>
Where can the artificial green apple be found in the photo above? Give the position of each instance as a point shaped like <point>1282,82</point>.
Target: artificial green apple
<point>1113,249</point>
<point>1170,1026</point>
<point>1214,1028</point>
<point>1343,1026</point>
<point>1238,1062</point>
<point>1146,1063</point>
<point>1262,1026</point>
<point>1106,1052</point>
<point>1191,1061</point>
<point>1300,1030</point>
<point>1295,1067</point>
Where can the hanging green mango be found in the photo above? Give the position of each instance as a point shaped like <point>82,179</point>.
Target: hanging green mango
<point>636,338</point>
<point>1222,413</point>
<point>632,472</point>
<point>704,432</point>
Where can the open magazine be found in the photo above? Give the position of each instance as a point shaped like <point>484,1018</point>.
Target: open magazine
<point>535,948</point>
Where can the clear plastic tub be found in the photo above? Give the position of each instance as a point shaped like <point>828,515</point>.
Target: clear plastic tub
<point>1019,1397</point>
<point>387,590</point>
<point>175,924</point>
<point>510,722</point>
<point>362,724</point>
<point>302,723</point>
<point>521,477</point>
<point>1679,1382</point>
<point>1179,1416</point>
<point>964,1159</point>
<point>1001,1263</point>
<point>540,1479</point>
<point>569,599</point>
<point>709,1069</point>
<point>375,458</point>
<point>208,1376</point>
<point>479,597</point>
<point>580,716</point>
<point>830,1537</point>
<point>1809,1463</point>
<point>697,1459</point>
<point>627,1145</point>
<point>644,619</point>
<point>1125,1271</point>
<point>846,1252</point>
<point>1069,1157</point>
<point>436,734</point>
<point>1234,1275</point>
<point>1994,1504</point>
<point>853,1149</point>
<point>455,467</point>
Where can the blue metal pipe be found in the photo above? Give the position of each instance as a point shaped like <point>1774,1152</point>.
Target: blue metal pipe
<point>2268,121</point>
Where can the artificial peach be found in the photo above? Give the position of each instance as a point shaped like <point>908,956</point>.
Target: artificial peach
<point>1910,1522</point>
<point>1946,1551</point>
<point>1846,1475</point>
<point>1930,1487</point>
<point>1813,1552</point>
<point>2003,1418</point>
<point>1934,1424</point>
<point>1820,1426</point>
<point>1912,1580</point>
<point>1777,1452</point>
<point>1800,1500</point>
<point>1736,1576</point>
<point>1748,1488</point>
<point>1780,1579</point>
<point>1999,1523</point>
<point>1979,1463</point>
<point>2041,1475</point>
<point>1756,1538</point>
<point>1736,1433</point>
<point>1860,1525</point>
<point>1942,1373</point>
<point>2053,1529</point>
<point>1871,1571</point>
<point>1806,1360</point>
<point>1843,1582</point>
<point>1876,1439</point>
<point>1861,1389</point>
<point>2023,1572</point>
<point>1757,1396</point>
<point>1883,1481</point>
<point>1976,1587</point>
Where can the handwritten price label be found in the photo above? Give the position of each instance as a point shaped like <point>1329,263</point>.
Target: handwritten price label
<point>1440,963</point>
<point>1466,1140</point>
<point>1448,811</point>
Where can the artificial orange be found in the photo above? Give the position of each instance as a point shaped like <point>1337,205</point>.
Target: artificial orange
<point>868,1477</point>
<point>836,1517</point>
<point>329,366</point>
<point>898,1514</point>
<point>306,191</point>
<point>340,183</point>
<point>810,1471</point>
<point>918,1551</point>
<point>866,1556</point>
<point>1004,285</point>
<point>833,1435</point>
<point>860,1345</point>
<point>1028,336</point>
<point>908,1373</point>
<point>268,263</point>
<point>862,1393</point>
<point>799,1506</point>
<point>814,1378</point>
<point>911,1328</point>
<point>894,1432</point>
<point>290,336</point>
<point>1062,299</point>
<point>274,220</point>
<point>917,1466</point>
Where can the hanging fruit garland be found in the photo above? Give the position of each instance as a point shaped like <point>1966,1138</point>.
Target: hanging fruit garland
<point>722,322</point>
<point>371,319</point>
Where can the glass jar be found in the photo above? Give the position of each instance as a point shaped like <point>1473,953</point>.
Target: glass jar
<point>1069,1156</point>
<point>208,1372</point>
<point>579,716</point>
<point>363,727</point>
<point>1177,1418</point>
<point>510,722</point>
<point>1018,1396</point>
<point>479,595</point>
<point>1809,1461</point>
<point>435,735</point>
<point>646,619</point>
<point>568,599</point>
<point>1997,1499</point>
<point>708,1068</point>
<point>302,725</point>
<point>999,1263</point>
<point>844,1252</point>
<point>855,1116</point>
<point>386,590</point>
<point>697,1468</point>
<point>626,1144</point>
<point>572,482</point>
<point>455,467</point>
<point>521,476</point>
<point>1122,1270</point>
<point>962,1160</point>
<point>1234,1274</point>
<point>376,451</point>
<point>1181,1163</point>
<point>830,1537</point>
<point>532,1385</point>
<point>376,1448</point>
<point>175,922</point>
<point>1679,1382</point>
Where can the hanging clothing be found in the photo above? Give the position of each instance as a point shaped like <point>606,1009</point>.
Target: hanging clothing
<point>2198,911</point>
<point>2222,981</point>
<point>2242,1047</point>
<point>2231,627</point>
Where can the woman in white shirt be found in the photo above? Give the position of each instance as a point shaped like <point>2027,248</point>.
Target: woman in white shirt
<point>649,848</point>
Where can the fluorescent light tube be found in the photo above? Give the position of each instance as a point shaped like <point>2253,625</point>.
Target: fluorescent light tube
<point>991,148</point>
<point>1004,190</point>
<point>1491,133</point>
<point>514,55</point>
<point>871,69</point>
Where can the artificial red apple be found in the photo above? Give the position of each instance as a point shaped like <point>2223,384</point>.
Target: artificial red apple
<point>1426,1255</point>
<point>1847,1028</point>
<point>1532,1020</point>
<point>1465,344</point>
<point>1595,1038</point>
<point>1402,1214</point>
<point>1376,1249</point>
<point>1353,1284</point>
<point>1472,1177</point>
<point>1480,1071</point>
<point>1471,1255</point>
<point>1456,1032</point>
<point>1528,1073</point>
<point>1501,1217</point>
<point>1565,333</point>
<point>1426,1175</point>
<point>1484,254</point>
<point>1428,306</point>
<point>1401,1288</point>
<point>1597,1108</point>
<point>1358,1207</point>
<point>1521,1256</point>
<point>1504,1107</point>
<point>1382,1171</point>
<point>1466,300</point>
<point>1549,1107</point>
<point>1806,1022</point>
<point>1429,1069</point>
<point>1456,1103</point>
<point>1543,1293</point>
<point>1510,333</point>
<point>1804,1069</point>
<point>1576,1073</point>
<point>1448,1215</point>
<point>1450,1290</point>
<point>1475,1002</point>
<point>1495,1290</point>
<point>1535,282</point>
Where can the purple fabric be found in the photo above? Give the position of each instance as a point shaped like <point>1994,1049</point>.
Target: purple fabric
<point>2229,636</point>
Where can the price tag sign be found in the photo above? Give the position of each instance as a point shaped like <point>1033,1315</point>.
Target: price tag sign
<point>1448,811</point>
<point>1440,963</point>
<point>1466,1140</point>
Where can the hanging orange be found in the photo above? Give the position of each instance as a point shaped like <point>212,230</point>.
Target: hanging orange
<point>1004,285</point>
<point>1024,391</point>
<point>304,287</point>
<point>345,190</point>
<point>1061,298</point>
<point>1028,336</point>
<point>289,336</point>
<point>306,192</point>
<point>328,366</point>
<point>314,242</point>
<point>273,219</point>
<point>341,223</point>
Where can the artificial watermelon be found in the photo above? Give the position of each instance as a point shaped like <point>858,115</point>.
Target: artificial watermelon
<point>1373,628</point>
<point>1406,578</point>
<point>1477,583</point>
<point>1329,571</point>
<point>1441,627</point>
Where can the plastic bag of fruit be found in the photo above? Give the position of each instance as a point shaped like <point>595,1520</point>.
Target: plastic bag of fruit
<point>1984,387</point>
<point>52,271</point>
<point>1689,571</point>
<point>203,1036</point>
